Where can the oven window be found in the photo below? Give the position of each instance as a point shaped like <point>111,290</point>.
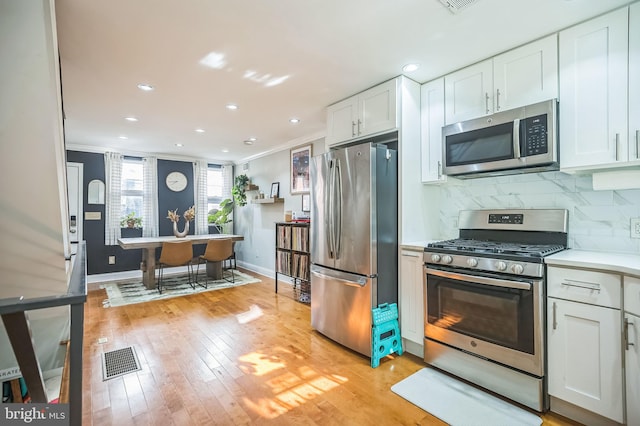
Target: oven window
<point>480,146</point>
<point>498,315</point>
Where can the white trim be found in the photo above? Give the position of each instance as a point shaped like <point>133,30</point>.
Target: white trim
<point>101,150</point>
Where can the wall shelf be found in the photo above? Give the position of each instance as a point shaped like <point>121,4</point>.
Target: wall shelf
<point>267,200</point>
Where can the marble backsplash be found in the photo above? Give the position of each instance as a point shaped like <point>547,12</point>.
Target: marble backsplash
<point>598,220</point>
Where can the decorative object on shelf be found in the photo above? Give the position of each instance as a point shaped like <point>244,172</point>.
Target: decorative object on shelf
<point>131,221</point>
<point>238,191</point>
<point>300,170</point>
<point>174,217</point>
<point>275,189</point>
<point>306,202</point>
<point>220,218</point>
<point>176,181</point>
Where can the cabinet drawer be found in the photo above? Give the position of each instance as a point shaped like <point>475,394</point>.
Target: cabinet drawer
<point>596,288</point>
<point>632,295</point>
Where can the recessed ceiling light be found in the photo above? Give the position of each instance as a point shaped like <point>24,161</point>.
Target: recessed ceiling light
<point>179,145</point>
<point>225,150</point>
<point>232,106</point>
<point>253,139</point>
<point>146,87</point>
<point>248,142</point>
<point>131,119</point>
<point>123,137</point>
<point>200,130</point>
<point>294,120</point>
<point>410,67</point>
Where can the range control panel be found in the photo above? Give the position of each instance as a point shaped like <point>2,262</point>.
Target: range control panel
<point>512,219</point>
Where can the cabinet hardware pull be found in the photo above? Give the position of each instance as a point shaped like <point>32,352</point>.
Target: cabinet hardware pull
<point>439,170</point>
<point>555,323</point>
<point>617,146</point>
<point>588,286</point>
<point>637,143</point>
<point>410,255</point>
<point>353,128</point>
<point>486,101</point>
<point>359,123</point>
<point>626,333</point>
<point>497,99</point>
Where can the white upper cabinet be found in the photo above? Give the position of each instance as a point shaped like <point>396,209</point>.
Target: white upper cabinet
<point>634,82</point>
<point>516,78</point>
<point>370,112</point>
<point>432,120</point>
<point>593,92</point>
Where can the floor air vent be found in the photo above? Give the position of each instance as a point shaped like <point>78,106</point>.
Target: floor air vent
<point>119,362</point>
<point>455,6</point>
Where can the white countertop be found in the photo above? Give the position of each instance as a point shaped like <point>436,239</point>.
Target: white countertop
<point>623,263</point>
<point>416,245</point>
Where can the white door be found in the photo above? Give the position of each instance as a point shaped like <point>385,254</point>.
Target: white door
<point>593,91</point>
<point>341,121</point>
<point>632,364</point>
<point>468,92</point>
<point>634,82</point>
<point>585,357</point>
<point>75,199</point>
<point>432,121</point>
<point>526,75</point>
<point>411,299</point>
<point>377,109</point>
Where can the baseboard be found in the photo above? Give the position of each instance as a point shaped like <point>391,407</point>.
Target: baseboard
<point>579,414</point>
<point>413,348</point>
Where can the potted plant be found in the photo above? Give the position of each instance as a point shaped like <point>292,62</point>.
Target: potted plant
<point>222,216</point>
<point>131,221</point>
<point>239,190</point>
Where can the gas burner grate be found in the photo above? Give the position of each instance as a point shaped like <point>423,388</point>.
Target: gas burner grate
<point>119,362</point>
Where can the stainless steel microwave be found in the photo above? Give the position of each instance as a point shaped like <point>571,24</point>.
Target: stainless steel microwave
<point>515,141</point>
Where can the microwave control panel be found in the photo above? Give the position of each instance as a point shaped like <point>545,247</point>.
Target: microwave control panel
<point>535,135</point>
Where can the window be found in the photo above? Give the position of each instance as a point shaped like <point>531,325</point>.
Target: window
<point>132,187</point>
<point>214,187</point>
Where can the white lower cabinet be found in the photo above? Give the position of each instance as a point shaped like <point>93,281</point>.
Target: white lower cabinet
<point>412,300</point>
<point>632,348</point>
<point>584,348</point>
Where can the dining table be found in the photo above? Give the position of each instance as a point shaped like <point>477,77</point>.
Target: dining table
<point>149,245</point>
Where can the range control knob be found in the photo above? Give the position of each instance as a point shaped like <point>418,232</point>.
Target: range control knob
<point>517,269</point>
<point>473,262</point>
<point>501,266</point>
<point>435,258</point>
<point>447,259</point>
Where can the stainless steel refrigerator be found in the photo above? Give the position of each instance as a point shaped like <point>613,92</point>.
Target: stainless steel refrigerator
<point>354,244</point>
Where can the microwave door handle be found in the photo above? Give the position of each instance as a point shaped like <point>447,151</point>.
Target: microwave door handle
<point>516,138</point>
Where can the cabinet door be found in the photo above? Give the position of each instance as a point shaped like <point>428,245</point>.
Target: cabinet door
<point>585,359</point>
<point>432,120</point>
<point>632,364</point>
<point>411,296</point>
<point>468,92</point>
<point>526,75</point>
<point>593,91</point>
<point>377,109</point>
<point>341,121</point>
<point>634,82</point>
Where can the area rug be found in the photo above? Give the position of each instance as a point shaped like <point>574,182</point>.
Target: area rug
<point>128,292</point>
<point>458,403</point>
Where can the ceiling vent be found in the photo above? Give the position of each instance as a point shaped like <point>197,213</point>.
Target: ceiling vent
<point>456,6</point>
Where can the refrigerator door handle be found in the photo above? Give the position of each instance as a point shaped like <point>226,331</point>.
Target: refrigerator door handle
<point>330,201</point>
<point>338,214</point>
<point>345,277</point>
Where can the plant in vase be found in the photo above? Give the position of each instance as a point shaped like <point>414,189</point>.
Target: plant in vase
<point>238,191</point>
<point>221,217</point>
<point>131,221</point>
<point>174,217</point>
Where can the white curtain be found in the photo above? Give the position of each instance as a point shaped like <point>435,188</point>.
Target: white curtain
<point>227,180</point>
<point>200,168</point>
<point>113,205</point>
<point>150,197</point>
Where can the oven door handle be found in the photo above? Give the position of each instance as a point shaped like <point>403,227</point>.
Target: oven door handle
<point>480,280</point>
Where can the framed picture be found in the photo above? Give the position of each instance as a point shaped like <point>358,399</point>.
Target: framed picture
<point>306,202</point>
<point>275,189</point>
<point>300,170</point>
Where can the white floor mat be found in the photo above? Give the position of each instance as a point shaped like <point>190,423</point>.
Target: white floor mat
<point>458,403</point>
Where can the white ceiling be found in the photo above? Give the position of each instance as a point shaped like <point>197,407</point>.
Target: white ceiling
<point>319,51</point>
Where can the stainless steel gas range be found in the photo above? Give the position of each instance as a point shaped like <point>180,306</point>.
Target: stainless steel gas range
<point>485,300</point>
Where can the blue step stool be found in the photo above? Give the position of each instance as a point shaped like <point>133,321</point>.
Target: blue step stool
<point>385,333</point>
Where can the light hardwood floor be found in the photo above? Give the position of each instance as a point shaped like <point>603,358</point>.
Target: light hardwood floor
<point>237,356</point>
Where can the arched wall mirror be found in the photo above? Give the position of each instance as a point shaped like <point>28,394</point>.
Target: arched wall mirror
<point>96,192</point>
